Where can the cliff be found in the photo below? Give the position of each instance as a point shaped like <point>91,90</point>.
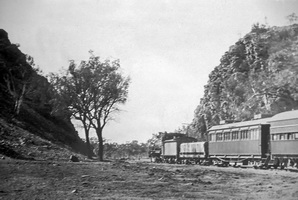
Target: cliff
<point>257,75</point>
<point>27,117</point>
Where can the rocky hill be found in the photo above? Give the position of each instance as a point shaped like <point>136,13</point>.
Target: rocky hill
<point>30,128</point>
<point>258,74</point>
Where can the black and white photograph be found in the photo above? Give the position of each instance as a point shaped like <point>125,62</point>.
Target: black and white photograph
<point>149,99</point>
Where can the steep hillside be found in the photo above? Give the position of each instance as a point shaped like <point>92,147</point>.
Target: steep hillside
<point>257,75</point>
<point>27,114</point>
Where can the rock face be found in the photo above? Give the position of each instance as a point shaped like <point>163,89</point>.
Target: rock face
<point>26,98</point>
<point>257,75</point>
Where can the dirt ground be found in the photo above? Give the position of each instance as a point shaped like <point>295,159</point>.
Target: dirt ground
<point>140,180</point>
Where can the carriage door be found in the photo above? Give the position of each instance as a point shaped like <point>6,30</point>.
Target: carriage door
<point>265,140</point>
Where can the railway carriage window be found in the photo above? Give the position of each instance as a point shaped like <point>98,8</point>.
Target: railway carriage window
<point>275,137</point>
<point>257,134</point>
<point>283,136</point>
<point>290,136</point>
<point>227,135</point>
<point>218,136</point>
<point>244,135</point>
<point>254,134</point>
<point>212,137</point>
<point>249,135</point>
<point>296,136</point>
<point>235,135</point>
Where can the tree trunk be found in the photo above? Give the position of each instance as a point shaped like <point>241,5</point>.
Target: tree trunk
<point>19,100</point>
<point>100,144</point>
<point>266,102</point>
<point>89,153</point>
<point>207,126</point>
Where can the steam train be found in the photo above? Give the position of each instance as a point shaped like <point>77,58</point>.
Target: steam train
<point>263,142</point>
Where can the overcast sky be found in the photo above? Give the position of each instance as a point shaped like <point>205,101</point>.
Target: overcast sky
<point>167,47</point>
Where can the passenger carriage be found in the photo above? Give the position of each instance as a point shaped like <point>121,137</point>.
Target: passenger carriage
<point>284,138</point>
<point>242,142</point>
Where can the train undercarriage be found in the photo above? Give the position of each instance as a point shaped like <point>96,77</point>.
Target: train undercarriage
<point>270,162</point>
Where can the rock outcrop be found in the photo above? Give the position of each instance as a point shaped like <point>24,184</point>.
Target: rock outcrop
<point>26,100</point>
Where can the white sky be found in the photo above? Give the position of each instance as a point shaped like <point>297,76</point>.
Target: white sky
<point>167,47</point>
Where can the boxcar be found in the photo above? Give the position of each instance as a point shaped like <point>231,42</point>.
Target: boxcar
<point>240,142</point>
<point>284,135</point>
<point>194,150</point>
<point>171,148</point>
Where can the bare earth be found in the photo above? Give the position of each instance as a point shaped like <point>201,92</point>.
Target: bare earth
<point>140,180</point>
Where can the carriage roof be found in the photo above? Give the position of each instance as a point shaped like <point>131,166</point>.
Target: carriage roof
<point>240,124</point>
<point>285,116</point>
